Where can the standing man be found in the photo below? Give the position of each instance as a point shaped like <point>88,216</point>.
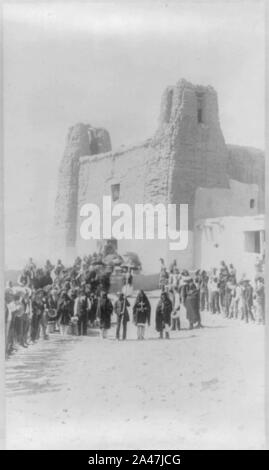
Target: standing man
<point>228,293</point>
<point>105,310</point>
<point>9,296</point>
<point>52,306</point>
<point>13,307</point>
<point>44,318</point>
<point>176,311</point>
<point>127,289</point>
<point>26,317</point>
<point>260,300</point>
<point>38,307</point>
<point>81,310</point>
<point>223,277</point>
<point>64,313</point>
<point>249,299</point>
<point>164,276</point>
<point>121,310</point>
<point>213,287</point>
<point>204,291</point>
<point>163,315</point>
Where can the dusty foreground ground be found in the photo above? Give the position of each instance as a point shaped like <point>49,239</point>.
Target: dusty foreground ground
<point>201,389</point>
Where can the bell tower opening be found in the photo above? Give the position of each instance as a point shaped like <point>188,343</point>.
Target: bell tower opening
<point>115,192</point>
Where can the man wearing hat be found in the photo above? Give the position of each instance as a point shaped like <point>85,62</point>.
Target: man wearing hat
<point>10,311</point>
<point>81,310</point>
<point>105,310</point>
<point>39,317</point>
<point>64,313</point>
<point>121,310</point>
<point>185,281</point>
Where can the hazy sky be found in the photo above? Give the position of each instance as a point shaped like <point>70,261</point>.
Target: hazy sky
<point>108,64</point>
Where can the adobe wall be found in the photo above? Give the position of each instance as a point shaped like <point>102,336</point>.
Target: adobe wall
<point>221,202</point>
<point>142,176</point>
<point>186,161</point>
<point>196,150</point>
<point>81,140</point>
<point>247,164</point>
<point>223,238</point>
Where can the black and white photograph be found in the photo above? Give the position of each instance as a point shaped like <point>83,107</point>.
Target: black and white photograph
<point>134,228</point>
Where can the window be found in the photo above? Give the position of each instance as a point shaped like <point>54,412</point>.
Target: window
<point>252,241</point>
<point>115,192</point>
<point>252,203</point>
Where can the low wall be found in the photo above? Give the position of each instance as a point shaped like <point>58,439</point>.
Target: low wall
<point>147,282</point>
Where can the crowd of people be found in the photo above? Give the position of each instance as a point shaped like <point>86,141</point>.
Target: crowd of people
<point>218,291</point>
<point>69,300</point>
<point>55,297</point>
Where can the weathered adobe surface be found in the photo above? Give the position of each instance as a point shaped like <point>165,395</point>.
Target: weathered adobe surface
<point>81,140</point>
<point>247,164</point>
<point>196,151</point>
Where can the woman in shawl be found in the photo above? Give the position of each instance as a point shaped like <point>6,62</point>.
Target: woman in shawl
<point>105,310</point>
<point>38,317</point>
<point>163,315</point>
<point>64,313</point>
<point>141,313</point>
<point>193,306</point>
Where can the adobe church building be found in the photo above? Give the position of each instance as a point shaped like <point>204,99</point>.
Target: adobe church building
<point>186,162</point>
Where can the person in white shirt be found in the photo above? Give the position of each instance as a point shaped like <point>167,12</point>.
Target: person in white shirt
<point>213,288</point>
<point>176,311</point>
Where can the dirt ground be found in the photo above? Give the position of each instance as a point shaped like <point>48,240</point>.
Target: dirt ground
<point>202,389</point>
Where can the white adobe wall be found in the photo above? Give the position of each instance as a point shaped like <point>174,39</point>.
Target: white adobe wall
<point>223,238</point>
<point>228,213</point>
<point>221,202</point>
<point>131,169</point>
